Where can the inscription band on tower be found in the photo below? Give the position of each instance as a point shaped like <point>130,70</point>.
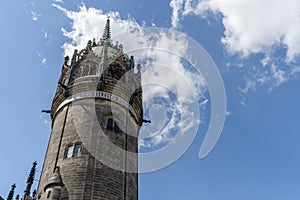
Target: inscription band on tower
<point>98,94</point>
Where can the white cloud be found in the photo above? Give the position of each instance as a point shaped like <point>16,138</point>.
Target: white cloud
<point>164,79</point>
<point>155,52</point>
<point>88,23</point>
<point>176,5</point>
<point>251,26</point>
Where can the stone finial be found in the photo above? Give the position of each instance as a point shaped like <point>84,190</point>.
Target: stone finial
<point>30,180</point>
<point>89,45</point>
<point>94,42</point>
<point>139,68</point>
<point>67,58</point>
<point>34,193</point>
<point>74,57</point>
<point>11,192</point>
<point>131,62</point>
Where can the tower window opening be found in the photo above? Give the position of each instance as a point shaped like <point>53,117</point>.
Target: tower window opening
<point>112,125</point>
<point>73,150</point>
<point>48,194</point>
<point>77,149</point>
<point>116,127</point>
<point>115,71</point>
<point>110,72</point>
<point>69,151</point>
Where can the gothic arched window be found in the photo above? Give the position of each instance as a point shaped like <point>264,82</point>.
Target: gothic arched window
<point>112,125</point>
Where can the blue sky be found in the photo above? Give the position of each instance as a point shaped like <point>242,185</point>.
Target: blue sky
<point>255,46</point>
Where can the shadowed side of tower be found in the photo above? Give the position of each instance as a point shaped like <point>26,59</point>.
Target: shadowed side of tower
<point>96,116</point>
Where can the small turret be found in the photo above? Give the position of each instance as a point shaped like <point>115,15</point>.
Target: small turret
<point>54,186</point>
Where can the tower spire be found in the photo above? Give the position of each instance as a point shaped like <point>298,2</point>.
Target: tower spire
<point>30,180</point>
<point>11,192</point>
<point>106,33</point>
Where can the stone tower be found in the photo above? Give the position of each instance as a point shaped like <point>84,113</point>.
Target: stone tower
<point>96,116</point>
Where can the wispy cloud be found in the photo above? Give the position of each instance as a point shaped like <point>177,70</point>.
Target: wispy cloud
<point>43,58</point>
<point>271,75</point>
<point>31,10</point>
<point>228,113</point>
<point>46,123</point>
<point>45,34</point>
<point>44,119</point>
<point>268,28</point>
<point>251,26</point>
<point>34,15</point>
<point>278,75</point>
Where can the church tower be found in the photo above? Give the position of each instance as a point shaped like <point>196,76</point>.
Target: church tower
<point>96,117</point>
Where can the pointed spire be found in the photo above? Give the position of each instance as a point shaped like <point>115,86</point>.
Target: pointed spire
<point>11,192</point>
<point>106,32</point>
<point>30,180</point>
